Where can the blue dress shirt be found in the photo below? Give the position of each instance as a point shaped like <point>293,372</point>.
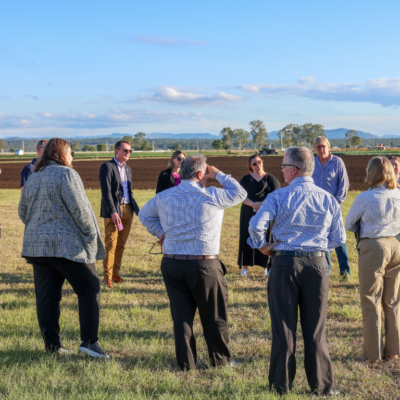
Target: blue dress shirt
<point>191,216</point>
<point>27,172</point>
<point>332,177</point>
<point>306,218</point>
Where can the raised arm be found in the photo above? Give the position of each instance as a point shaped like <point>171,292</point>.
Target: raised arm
<point>231,194</point>
<point>150,219</point>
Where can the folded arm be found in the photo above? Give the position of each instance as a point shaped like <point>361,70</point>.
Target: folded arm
<point>260,222</point>
<point>149,218</point>
<point>343,187</point>
<point>355,213</point>
<point>105,185</point>
<point>337,234</point>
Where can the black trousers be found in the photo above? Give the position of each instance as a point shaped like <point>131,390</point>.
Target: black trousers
<point>299,282</point>
<point>49,275</point>
<point>198,284</point>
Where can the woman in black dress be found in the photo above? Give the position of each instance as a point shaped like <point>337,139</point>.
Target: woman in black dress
<point>258,184</point>
<point>170,177</point>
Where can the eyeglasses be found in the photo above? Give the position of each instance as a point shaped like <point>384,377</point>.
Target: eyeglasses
<point>126,151</point>
<point>259,162</point>
<point>150,252</point>
<point>180,158</point>
<point>289,165</point>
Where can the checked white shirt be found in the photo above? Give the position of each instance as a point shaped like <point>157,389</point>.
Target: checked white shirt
<point>306,218</point>
<point>191,216</point>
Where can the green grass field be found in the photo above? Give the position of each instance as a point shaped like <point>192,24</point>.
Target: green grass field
<point>136,330</point>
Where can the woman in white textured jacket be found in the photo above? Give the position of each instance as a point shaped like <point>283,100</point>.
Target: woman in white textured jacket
<point>378,211</point>
<point>62,241</point>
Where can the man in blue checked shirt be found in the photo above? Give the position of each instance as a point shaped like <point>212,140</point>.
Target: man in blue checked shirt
<point>187,219</point>
<point>308,224</point>
<point>330,174</point>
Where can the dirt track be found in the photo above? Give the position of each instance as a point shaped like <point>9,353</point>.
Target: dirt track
<point>145,171</point>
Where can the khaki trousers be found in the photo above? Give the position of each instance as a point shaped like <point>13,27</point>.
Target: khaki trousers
<point>379,275</point>
<point>115,242</point>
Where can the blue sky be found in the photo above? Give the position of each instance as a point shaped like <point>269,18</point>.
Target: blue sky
<point>94,68</point>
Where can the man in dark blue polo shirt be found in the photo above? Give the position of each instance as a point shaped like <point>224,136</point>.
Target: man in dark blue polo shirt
<point>30,168</point>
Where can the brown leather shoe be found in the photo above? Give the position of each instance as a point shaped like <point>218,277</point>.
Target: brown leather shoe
<point>363,359</point>
<point>117,279</point>
<point>389,357</point>
<point>108,284</point>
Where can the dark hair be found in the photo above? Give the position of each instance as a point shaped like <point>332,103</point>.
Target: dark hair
<point>54,151</point>
<point>118,144</point>
<point>250,158</point>
<point>43,141</point>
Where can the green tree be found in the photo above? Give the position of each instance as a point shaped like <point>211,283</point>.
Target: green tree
<point>349,135</point>
<point>137,142</point>
<point>88,147</point>
<point>217,144</point>
<point>310,132</point>
<point>128,139</point>
<point>146,145</point>
<point>101,147</point>
<point>258,132</point>
<point>240,138</point>
<point>75,146</point>
<point>12,150</point>
<point>356,141</point>
<point>2,145</point>
<point>178,147</point>
<point>227,137</point>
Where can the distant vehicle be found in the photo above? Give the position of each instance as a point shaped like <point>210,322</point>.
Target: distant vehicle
<point>268,150</point>
<point>19,152</point>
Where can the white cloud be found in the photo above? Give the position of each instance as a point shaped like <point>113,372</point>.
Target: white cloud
<point>115,118</point>
<point>170,95</point>
<point>12,121</point>
<point>383,91</point>
<point>164,41</point>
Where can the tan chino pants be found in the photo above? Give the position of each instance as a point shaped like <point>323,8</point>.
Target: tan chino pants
<point>379,275</point>
<point>115,242</point>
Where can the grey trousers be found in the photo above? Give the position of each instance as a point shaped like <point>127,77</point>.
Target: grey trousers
<point>299,283</point>
<point>192,285</point>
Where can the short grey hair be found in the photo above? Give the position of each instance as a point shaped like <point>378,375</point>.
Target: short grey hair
<point>302,158</point>
<point>192,165</point>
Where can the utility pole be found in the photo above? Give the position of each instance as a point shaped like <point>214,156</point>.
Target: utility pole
<point>153,145</point>
<point>197,145</point>
<point>107,147</point>
<point>23,146</point>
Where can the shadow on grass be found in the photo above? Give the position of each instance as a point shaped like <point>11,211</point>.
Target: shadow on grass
<point>109,334</point>
<point>8,278</point>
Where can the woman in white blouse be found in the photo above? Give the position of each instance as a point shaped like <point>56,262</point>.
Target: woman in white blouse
<point>378,211</point>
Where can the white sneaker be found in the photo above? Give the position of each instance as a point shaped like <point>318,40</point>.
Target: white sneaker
<point>265,272</point>
<point>244,272</point>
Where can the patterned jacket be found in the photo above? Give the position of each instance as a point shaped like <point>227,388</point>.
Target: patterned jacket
<point>58,217</point>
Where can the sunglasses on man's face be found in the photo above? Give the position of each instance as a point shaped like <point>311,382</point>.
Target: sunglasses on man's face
<point>259,162</point>
<point>127,151</point>
<point>180,158</point>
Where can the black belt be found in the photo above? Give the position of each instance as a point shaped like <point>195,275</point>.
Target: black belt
<point>189,257</point>
<point>299,253</point>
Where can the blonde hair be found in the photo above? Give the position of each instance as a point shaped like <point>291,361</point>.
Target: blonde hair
<point>321,139</point>
<point>174,155</point>
<point>380,172</point>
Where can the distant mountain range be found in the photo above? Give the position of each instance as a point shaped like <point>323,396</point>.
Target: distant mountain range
<point>330,133</point>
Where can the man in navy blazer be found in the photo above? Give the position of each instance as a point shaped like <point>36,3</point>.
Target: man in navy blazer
<point>117,208</point>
